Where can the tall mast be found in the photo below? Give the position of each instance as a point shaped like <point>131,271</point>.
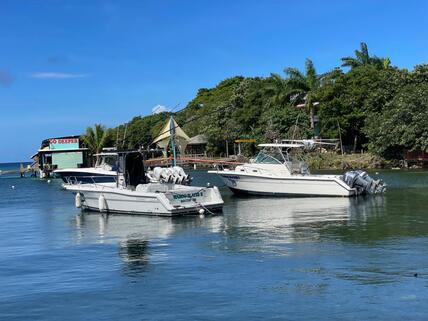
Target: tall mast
<point>172,137</point>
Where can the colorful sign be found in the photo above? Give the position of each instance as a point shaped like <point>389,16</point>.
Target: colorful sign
<point>63,143</point>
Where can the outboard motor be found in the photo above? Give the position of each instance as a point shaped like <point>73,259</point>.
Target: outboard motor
<point>174,175</point>
<point>180,176</point>
<point>363,183</point>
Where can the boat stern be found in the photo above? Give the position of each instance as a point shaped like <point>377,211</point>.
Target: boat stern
<point>192,200</point>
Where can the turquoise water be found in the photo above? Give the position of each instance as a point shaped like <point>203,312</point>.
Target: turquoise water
<point>263,258</point>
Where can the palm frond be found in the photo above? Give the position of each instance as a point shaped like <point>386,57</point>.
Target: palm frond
<point>350,62</point>
<point>294,73</point>
<point>364,50</point>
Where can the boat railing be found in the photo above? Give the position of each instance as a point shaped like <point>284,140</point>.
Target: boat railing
<point>78,180</point>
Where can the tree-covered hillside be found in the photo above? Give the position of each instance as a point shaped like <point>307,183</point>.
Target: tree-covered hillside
<point>377,106</point>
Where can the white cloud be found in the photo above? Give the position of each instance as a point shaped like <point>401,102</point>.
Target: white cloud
<point>159,109</point>
<point>56,75</point>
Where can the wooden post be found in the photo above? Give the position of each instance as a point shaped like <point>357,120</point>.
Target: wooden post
<point>340,138</point>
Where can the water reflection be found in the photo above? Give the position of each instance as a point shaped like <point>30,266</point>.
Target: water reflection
<point>135,253</point>
<point>247,224</point>
<point>113,228</point>
<point>290,220</point>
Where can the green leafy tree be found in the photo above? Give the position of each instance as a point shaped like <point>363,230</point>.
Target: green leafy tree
<point>346,101</point>
<point>401,124</point>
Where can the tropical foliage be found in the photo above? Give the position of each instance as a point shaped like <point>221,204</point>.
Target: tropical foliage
<point>95,138</point>
<point>371,104</point>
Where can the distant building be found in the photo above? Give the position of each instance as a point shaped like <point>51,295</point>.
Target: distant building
<point>60,152</point>
<point>163,140</point>
<point>197,145</point>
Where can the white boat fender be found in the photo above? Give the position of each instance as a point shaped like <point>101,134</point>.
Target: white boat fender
<point>102,206</point>
<point>201,213</point>
<point>78,200</point>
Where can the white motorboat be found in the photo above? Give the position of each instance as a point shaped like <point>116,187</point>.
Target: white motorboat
<point>275,171</point>
<point>135,193</point>
<point>104,171</point>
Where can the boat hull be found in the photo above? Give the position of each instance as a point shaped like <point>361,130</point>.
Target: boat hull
<point>185,202</point>
<point>314,185</point>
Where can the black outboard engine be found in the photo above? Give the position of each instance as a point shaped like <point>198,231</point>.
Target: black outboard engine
<point>363,183</point>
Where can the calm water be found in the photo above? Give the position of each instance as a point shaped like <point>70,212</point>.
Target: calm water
<point>263,259</point>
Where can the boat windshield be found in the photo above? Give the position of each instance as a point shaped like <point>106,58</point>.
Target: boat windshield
<point>269,157</point>
<point>107,160</point>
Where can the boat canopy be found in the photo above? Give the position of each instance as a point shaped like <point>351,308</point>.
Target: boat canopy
<point>282,145</point>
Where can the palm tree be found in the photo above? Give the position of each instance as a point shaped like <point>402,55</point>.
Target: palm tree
<point>304,87</point>
<point>363,58</point>
<point>277,90</point>
<point>95,138</point>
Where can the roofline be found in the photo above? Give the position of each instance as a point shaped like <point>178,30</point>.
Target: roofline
<point>43,151</point>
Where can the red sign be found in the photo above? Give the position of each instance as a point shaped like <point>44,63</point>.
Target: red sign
<point>64,141</point>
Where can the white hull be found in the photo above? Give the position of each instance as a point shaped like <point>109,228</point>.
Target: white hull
<point>176,200</point>
<point>293,185</point>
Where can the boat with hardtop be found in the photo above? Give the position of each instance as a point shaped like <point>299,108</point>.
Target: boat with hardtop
<point>279,169</point>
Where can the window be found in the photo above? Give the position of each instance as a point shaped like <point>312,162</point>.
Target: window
<point>269,158</point>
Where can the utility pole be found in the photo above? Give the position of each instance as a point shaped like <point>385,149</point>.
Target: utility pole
<point>172,137</point>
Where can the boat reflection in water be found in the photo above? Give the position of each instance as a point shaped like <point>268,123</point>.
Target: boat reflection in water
<point>265,224</point>
<point>248,224</point>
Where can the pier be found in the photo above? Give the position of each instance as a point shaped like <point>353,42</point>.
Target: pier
<point>22,170</point>
<point>185,161</point>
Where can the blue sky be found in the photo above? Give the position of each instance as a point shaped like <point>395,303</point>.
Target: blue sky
<point>65,65</point>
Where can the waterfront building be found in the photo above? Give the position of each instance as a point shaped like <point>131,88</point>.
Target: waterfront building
<point>59,153</point>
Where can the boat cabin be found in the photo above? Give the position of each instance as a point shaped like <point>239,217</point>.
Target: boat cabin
<point>288,155</point>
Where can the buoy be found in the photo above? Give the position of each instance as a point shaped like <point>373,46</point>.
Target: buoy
<point>49,181</point>
<point>13,186</point>
<point>201,213</point>
<point>102,203</point>
<point>208,184</point>
<point>194,166</point>
<point>78,200</point>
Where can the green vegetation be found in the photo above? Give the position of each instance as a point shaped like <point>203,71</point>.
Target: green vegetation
<point>95,138</point>
<point>375,106</point>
